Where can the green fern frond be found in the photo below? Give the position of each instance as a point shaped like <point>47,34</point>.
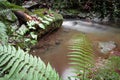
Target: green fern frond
<point>3,34</point>
<point>42,23</point>
<point>7,15</point>
<point>81,55</point>
<point>19,65</point>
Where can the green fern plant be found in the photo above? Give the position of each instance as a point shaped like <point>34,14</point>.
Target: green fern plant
<point>41,22</point>
<point>3,34</point>
<point>81,56</point>
<point>19,65</point>
<point>26,35</point>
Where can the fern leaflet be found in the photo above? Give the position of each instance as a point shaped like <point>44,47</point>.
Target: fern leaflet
<point>19,65</point>
<point>81,56</point>
<point>3,34</point>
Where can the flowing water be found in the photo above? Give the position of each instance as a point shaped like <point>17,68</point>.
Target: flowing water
<point>53,48</point>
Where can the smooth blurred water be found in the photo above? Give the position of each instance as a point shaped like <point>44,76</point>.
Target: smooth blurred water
<point>89,27</point>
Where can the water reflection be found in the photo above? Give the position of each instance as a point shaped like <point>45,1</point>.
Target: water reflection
<point>67,74</point>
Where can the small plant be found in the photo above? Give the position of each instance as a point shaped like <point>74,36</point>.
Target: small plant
<point>110,70</point>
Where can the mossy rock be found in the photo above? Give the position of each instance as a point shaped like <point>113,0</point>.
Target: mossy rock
<point>7,5</point>
<point>56,23</point>
<point>6,11</point>
<point>42,12</point>
<point>8,16</point>
<point>36,26</point>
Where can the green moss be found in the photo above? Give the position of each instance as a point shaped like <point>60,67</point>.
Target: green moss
<point>48,21</point>
<point>40,12</point>
<point>6,11</point>
<point>7,16</point>
<point>7,5</point>
<point>58,16</point>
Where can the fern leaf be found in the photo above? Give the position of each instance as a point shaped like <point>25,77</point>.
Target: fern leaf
<point>81,55</point>
<point>41,26</point>
<point>18,65</point>
<point>46,22</point>
<point>48,19</point>
<point>3,34</point>
<point>50,16</point>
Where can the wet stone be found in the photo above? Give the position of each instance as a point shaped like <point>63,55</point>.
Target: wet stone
<point>57,42</point>
<point>106,47</point>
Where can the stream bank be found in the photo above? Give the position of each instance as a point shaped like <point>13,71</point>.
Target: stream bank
<point>53,48</point>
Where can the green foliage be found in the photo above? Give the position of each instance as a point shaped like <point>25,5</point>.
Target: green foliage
<point>82,56</point>
<point>3,34</point>
<point>22,37</point>
<point>114,62</point>
<point>41,22</point>
<point>83,61</point>
<point>30,32</point>
<point>26,35</point>
<point>17,2</point>
<point>41,13</point>
<point>104,7</point>
<point>7,16</point>
<point>19,65</point>
<point>106,74</point>
<point>110,71</point>
<point>6,12</point>
<point>6,5</point>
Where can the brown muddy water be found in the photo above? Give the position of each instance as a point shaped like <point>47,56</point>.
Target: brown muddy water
<point>53,48</point>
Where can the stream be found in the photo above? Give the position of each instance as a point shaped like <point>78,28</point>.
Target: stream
<point>53,48</point>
